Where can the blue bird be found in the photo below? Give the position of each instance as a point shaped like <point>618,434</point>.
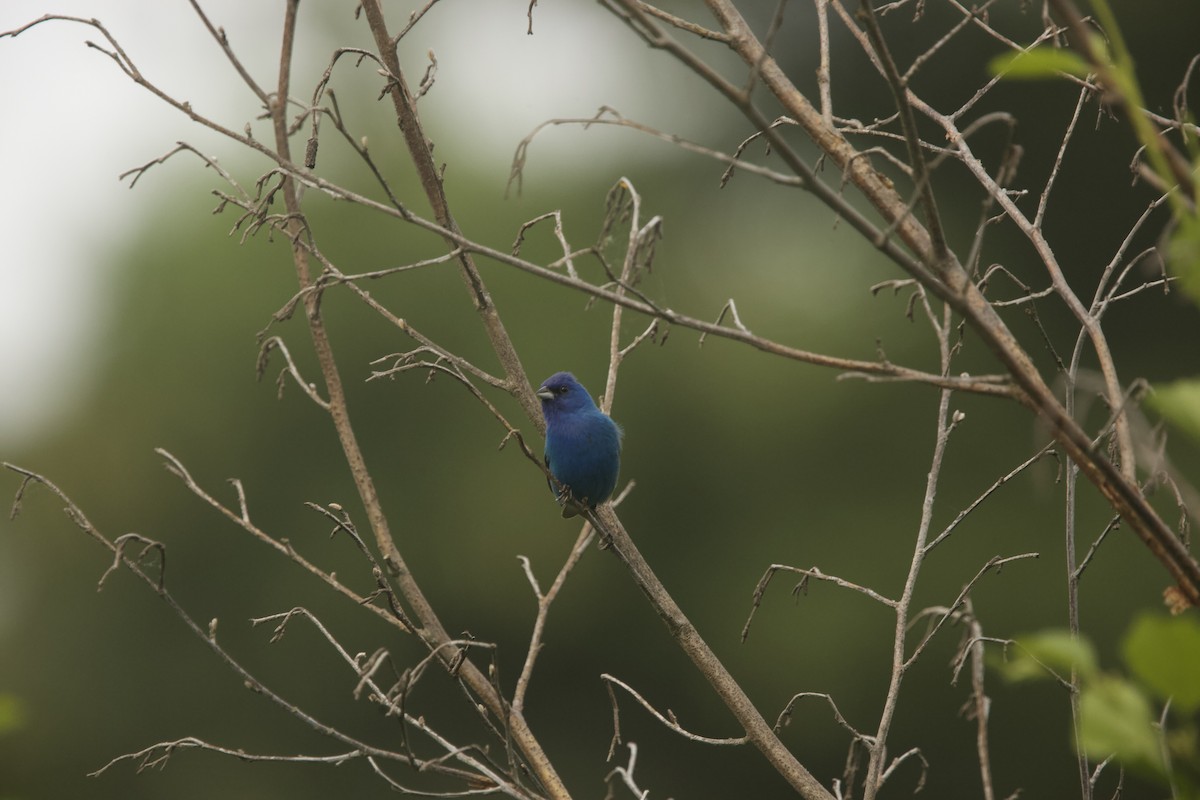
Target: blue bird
<point>583,445</point>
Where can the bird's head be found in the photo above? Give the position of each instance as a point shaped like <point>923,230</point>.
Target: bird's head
<point>562,394</point>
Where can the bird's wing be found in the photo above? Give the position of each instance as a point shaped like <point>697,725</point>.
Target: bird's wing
<point>549,480</point>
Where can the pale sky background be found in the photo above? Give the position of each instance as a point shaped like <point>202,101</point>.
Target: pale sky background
<point>72,123</point>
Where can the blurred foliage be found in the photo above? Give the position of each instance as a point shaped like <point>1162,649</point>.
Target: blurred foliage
<point>12,716</point>
<point>1039,63</point>
<point>1179,403</point>
<point>1049,650</point>
<point>1164,654</point>
<point>1115,64</point>
<point>741,461</point>
<point>1116,715</point>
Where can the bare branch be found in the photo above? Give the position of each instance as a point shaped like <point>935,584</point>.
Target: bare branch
<point>156,755</point>
<point>669,721</point>
<point>1001,481</point>
<point>785,716</point>
<point>626,775</point>
<point>802,587</point>
<point>946,613</point>
<point>543,609</point>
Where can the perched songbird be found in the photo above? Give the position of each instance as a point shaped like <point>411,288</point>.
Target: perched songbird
<point>583,445</point>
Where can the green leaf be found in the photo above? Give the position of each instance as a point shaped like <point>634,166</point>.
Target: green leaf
<point>11,714</point>
<point>1116,719</point>
<point>1179,404</point>
<point>1183,256</point>
<point>1036,655</point>
<point>1164,654</point>
<point>1038,64</point>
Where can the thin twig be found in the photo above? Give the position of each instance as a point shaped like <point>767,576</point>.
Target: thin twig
<point>670,721</point>
<point>544,601</point>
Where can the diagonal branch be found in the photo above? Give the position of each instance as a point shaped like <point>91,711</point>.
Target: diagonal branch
<point>916,159</point>
<point>518,384</point>
<point>953,284</point>
<point>421,152</point>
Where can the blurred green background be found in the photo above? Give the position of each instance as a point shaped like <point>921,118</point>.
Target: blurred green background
<point>741,460</point>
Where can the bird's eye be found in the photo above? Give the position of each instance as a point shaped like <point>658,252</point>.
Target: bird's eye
<point>562,390</point>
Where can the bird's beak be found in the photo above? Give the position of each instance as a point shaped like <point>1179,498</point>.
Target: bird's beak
<point>545,393</point>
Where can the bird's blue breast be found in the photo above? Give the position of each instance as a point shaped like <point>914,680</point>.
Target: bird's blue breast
<point>583,449</point>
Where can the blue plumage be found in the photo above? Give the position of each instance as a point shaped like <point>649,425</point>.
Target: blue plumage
<point>583,445</point>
